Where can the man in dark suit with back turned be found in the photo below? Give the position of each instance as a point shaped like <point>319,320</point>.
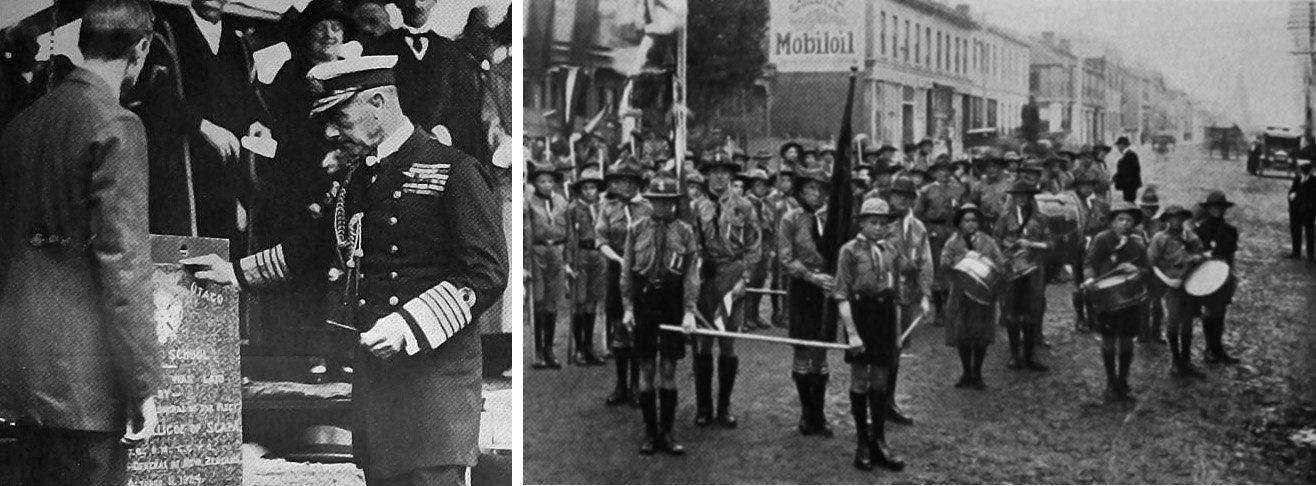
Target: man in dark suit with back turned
<point>218,106</point>
<point>79,360</point>
<point>1128,172</point>
<point>438,79</point>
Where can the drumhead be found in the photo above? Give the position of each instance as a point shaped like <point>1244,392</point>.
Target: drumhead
<point>1207,278</point>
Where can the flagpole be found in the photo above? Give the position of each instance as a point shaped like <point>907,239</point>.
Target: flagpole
<point>678,102</point>
<point>758,337</point>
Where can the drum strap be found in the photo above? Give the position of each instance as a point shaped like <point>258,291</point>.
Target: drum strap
<point>1173,283</point>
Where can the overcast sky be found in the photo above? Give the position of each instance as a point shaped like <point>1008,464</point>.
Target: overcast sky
<point>1202,46</point>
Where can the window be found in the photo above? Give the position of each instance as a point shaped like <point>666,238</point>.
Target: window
<point>1034,81</point>
<point>927,41</point>
<point>895,37</point>
<point>883,33</point>
<point>906,54</point>
<point>918,56</point>
<point>939,51</point>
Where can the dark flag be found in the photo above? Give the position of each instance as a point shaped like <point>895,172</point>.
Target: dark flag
<point>840,207</point>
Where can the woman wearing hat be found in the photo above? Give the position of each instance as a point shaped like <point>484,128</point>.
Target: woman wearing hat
<point>546,221</point>
<point>867,274</point>
<point>1117,246</point>
<point>1221,239</point>
<point>660,285</point>
<point>970,324</point>
<point>1023,230</point>
<point>808,287</point>
<point>622,207</point>
<point>1153,310</point>
<point>590,266</point>
<point>1173,253</point>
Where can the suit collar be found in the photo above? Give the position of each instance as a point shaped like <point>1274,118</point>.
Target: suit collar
<point>98,85</point>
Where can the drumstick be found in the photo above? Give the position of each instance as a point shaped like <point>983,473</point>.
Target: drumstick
<point>912,325</point>
<point>766,291</point>
<point>342,326</point>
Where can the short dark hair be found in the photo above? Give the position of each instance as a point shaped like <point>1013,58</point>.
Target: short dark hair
<point>110,28</point>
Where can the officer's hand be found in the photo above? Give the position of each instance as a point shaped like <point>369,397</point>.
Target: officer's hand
<point>827,282</point>
<point>688,323</point>
<point>210,268</point>
<point>386,338</point>
<point>142,420</point>
<point>739,289</point>
<point>220,139</point>
<point>628,320</point>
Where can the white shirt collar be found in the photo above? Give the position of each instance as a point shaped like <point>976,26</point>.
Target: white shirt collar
<point>211,31</point>
<point>392,143</point>
<point>424,41</point>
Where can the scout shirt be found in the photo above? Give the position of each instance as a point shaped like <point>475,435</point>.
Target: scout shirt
<point>661,251</point>
<point>1218,236</point>
<point>1011,227</point>
<point>1170,252</point>
<point>728,231</point>
<point>798,235</point>
<point>865,269</point>
<point>581,218</point>
<point>938,201</point>
<point>1093,214</point>
<point>615,215</point>
<point>991,196</point>
<point>915,273</point>
<point>1109,250</point>
<point>548,218</point>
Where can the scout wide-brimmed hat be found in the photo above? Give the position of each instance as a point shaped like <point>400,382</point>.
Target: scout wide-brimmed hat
<point>539,168</point>
<point>1103,147</point>
<point>966,209</point>
<point>720,158</point>
<point>1126,207</point>
<point>627,167</point>
<point>663,186</point>
<point>1030,165</point>
<point>790,145</point>
<point>753,175</point>
<point>904,185</point>
<point>1174,210</point>
<point>874,207</point>
<point>942,164</point>
<point>811,175</point>
<point>1085,177</point>
<point>1216,198</point>
<point>1149,199</point>
<point>694,177</point>
<point>591,174</point>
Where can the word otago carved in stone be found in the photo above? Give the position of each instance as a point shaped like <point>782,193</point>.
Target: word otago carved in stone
<point>199,438</point>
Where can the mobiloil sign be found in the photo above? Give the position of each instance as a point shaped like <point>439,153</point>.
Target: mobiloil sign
<point>816,35</point>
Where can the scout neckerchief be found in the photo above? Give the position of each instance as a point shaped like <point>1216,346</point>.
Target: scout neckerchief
<point>875,251</point>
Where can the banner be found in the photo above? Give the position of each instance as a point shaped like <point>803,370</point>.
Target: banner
<point>816,35</point>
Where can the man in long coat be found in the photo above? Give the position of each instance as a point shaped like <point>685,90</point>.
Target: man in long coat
<point>1128,172</point>
<point>414,290</point>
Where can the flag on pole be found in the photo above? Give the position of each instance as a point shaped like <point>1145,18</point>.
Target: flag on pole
<point>720,315</point>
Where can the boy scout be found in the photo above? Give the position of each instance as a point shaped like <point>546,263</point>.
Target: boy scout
<point>1023,233</point>
<point>1092,215</point>
<point>1221,239</point>
<point>936,208</point>
<point>583,257</point>
<point>758,187</point>
<point>809,282</point>
<point>622,207</point>
<point>546,212</point>
<point>866,294</point>
<point>660,285</point>
<point>731,246</point>
<point>1153,310</point>
<point>990,192</point>
<point>910,238</point>
<point>1173,253</point>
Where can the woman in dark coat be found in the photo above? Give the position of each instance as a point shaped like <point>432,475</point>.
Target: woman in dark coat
<point>970,323</point>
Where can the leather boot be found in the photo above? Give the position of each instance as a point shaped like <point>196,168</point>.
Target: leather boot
<point>894,413</point>
<point>1013,330</point>
<point>538,324</point>
<point>587,336</point>
<point>578,340</point>
<point>1108,360</point>
<point>881,454</point>
<point>804,386</point>
<point>652,437</point>
<point>1080,313</point>
<point>979,355</point>
<point>863,454</point>
<point>1030,337</point>
<point>753,317</point>
<point>727,367</point>
<point>819,407</point>
<point>550,329</point>
<point>1122,373</point>
<point>1214,329</point>
<point>1176,357</point>
<point>622,393</point>
<point>667,416</point>
<point>1158,323</point>
<point>939,305</point>
<point>703,364</point>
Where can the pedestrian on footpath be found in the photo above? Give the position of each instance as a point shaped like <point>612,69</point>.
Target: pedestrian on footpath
<point>617,212</point>
<point>1221,239</point>
<point>970,318</point>
<point>589,264</point>
<point>1302,211</point>
<point>546,215</point>
<point>867,296</point>
<point>1118,248</point>
<point>1173,253</point>
<point>1023,232</point>
<point>1128,172</point>
<point>660,285</point>
<point>809,283</point>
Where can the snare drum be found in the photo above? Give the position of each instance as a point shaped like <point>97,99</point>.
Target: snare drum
<point>1206,278</point>
<point>977,276</point>
<point>1061,214</point>
<point>1120,288</point>
<point>1021,262</point>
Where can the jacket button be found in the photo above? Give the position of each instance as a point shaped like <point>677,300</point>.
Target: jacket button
<point>397,194</point>
<point>392,249</point>
<point>361,303</point>
<point>392,275</point>
<point>392,220</point>
<point>393,300</point>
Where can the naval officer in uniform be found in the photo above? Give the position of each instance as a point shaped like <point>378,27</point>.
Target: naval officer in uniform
<point>417,227</point>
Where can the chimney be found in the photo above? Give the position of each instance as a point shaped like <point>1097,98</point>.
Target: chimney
<point>1049,38</point>
<point>963,9</point>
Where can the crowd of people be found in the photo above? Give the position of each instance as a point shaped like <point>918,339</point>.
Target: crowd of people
<point>966,244</point>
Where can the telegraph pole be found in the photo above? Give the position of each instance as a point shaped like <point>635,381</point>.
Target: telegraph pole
<point>1302,22</point>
